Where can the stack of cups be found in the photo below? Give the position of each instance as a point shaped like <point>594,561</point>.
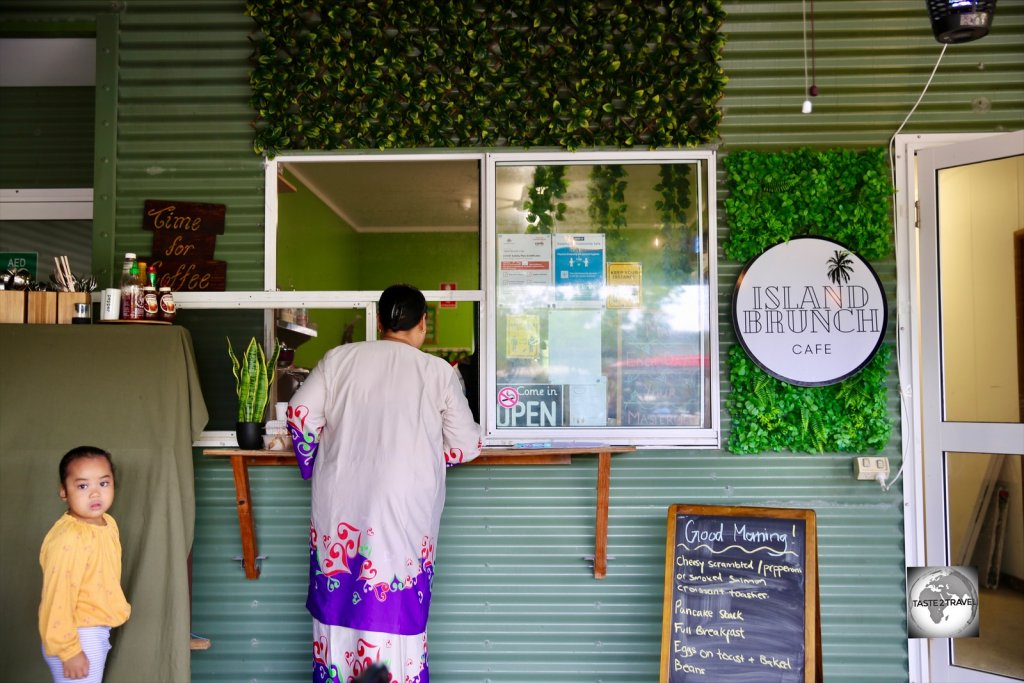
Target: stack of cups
<point>110,304</point>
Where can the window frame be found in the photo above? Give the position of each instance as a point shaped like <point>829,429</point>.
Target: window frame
<point>647,437</point>
<point>653,437</point>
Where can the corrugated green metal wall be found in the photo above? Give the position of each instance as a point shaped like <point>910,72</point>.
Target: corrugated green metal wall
<point>46,137</point>
<point>515,601</point>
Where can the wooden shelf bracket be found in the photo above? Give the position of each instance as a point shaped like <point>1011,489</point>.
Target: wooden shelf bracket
<point>241,460</point>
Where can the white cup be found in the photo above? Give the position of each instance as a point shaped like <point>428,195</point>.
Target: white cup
<point>281,410</point>
<point>110,304</point>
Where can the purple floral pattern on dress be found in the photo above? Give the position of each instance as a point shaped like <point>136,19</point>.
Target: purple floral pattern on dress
<point>345,589</point>
<point>305,444</point>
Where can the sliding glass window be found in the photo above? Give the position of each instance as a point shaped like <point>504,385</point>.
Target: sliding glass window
<point>600,272</point>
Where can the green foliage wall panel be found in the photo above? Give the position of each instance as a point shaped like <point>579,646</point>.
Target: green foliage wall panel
<point>466,74</point>
<point>844,195</point>
<point>841,194</point>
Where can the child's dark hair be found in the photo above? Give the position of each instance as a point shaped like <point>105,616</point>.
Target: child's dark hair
<point>80,453</point>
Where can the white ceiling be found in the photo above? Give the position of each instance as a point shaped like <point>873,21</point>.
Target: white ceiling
<point>443,196</point>
<point>397,196</point>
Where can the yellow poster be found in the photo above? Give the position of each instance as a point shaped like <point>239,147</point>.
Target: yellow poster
<point>522,336</point>
<point>624,281</point>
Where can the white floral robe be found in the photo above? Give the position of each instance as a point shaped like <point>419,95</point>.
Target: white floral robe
<point>375,425</point>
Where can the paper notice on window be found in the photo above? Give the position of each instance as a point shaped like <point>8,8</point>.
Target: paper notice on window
<point>524,260</point>
<point>522,336</point>
<point>624,285</point>
<point>574,346</point>
<point>524,271</point>
<point>579,269</point>
<point>588,404</point>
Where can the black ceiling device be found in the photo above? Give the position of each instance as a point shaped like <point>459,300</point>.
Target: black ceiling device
<point>960,21</point>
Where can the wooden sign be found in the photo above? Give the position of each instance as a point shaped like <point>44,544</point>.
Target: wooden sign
<point>741,596</point>
<point>191,276</point>
<point>183,218</point>
<point>177,246</point>
<point>184,239</point>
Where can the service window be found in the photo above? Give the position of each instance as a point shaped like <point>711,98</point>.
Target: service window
<point>600,311</point>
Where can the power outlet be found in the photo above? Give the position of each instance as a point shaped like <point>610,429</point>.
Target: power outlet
<point>869,467</point>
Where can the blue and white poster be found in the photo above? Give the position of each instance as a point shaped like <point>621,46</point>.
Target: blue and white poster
<point>579,268</point>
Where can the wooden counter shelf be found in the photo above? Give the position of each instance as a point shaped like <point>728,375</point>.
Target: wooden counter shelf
<point>241,460</point>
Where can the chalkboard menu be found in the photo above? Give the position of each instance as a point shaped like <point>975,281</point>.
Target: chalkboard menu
<point>740,596</point>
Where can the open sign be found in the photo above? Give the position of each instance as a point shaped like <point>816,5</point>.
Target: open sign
<point>535,405</point>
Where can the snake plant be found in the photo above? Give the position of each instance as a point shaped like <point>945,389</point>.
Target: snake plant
<point>253,377</point>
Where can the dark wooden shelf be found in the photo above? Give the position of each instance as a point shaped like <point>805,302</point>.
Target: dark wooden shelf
<point>241,460</point>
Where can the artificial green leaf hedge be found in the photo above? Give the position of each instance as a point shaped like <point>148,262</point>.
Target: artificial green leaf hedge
<point>843,194</point>
<point>771,415</point>
<point>451,73</point>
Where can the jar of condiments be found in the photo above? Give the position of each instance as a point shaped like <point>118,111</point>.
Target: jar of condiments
<point>152,309</point>
<point>168,309</point>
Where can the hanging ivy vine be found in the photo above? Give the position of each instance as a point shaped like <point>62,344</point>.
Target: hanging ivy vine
<point>842,194</point>
<point>542,205</point>
<point>606,194</point>
<point>458,73</point>
<point>676,235</point>
<point>771,415</point>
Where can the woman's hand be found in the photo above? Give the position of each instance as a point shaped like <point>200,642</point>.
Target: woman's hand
<point>77,666</point>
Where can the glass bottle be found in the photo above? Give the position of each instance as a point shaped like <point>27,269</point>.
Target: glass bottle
<point>131,289</point>
<point>168,309</point>
<point>151,310</point>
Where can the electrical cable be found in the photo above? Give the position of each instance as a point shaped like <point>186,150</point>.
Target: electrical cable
<point>813,90</point>
<point>803,8</point>
<point>807,107</point>
<point>900,369</point>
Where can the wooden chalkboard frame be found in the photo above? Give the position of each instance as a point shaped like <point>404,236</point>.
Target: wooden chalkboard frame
<point>812,623</point>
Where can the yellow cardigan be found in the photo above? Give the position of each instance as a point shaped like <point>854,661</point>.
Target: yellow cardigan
<point>81,583</point>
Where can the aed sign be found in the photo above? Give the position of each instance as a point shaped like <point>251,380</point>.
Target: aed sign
<point>20,260</point>
<point>809,311</point>
<point>529,405</point>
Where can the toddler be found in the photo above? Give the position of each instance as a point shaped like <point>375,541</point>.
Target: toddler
<point>81,560</point>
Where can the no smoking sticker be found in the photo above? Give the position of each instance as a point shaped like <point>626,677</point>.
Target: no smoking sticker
<point>508,397</point>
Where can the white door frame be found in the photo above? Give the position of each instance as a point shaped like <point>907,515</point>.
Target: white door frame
<point>910,333</point>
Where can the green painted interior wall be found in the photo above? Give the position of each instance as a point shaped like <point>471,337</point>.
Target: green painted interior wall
<point>318,251</point>
<point>425,260</point>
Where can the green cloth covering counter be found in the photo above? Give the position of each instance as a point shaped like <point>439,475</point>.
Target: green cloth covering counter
<point>134,391</point>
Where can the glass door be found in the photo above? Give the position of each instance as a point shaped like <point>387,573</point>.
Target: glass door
<point>972,394</point>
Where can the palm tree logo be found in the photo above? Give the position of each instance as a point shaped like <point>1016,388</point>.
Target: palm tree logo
<point>840,266</point>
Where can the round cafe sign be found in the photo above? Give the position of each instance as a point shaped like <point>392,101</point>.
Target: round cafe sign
<point>809,311</point>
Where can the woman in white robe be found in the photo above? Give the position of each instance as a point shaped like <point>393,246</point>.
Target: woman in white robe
<point>375,425</point>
